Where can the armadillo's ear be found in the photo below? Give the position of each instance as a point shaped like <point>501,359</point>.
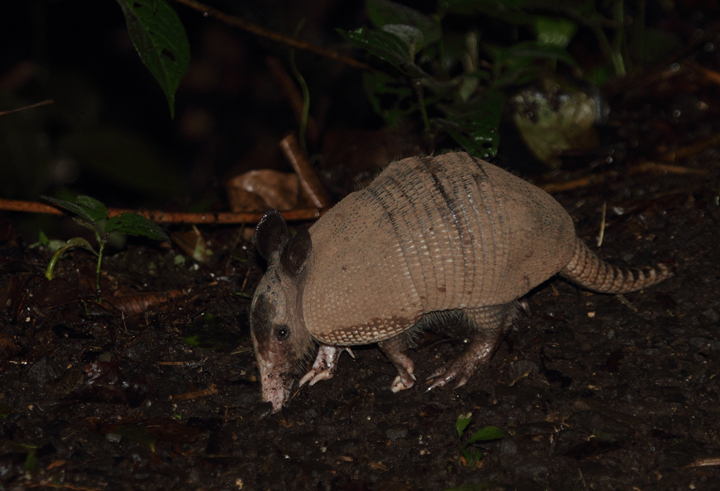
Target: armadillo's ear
<point>271,235</point>
<point>297,252</point>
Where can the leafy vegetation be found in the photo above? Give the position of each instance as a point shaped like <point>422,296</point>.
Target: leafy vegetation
<point>472,455</point>
<point>435,69</point>
<point>160,40</point>
<point>93,214</point>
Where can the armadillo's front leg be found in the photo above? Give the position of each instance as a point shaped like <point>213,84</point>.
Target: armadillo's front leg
<point>489,324</point>
<point>325,364</point>
<point>394,348</point>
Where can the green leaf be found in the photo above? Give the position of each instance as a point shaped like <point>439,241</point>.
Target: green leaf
<point>82,243</point>
<point>160,40</point>
<point>70,244</point>
<point>31,460</point>
<point>462,422</point>
<point>88,208</point>
<point>387,46</point>
<point>137,434</point>
<point>467,87</point>
<point>599,75</point>
<point>532,50</point>
<point>468,456</point>
<point>386,94</point>
<point>475,125</point>
<point>384,12</point>
<point>515,65</point>
<point>95,227</point>
<point>512,10</point>
<point>134,224</point>
<point>486,434</point>
<point>95,209</point>
<point>554,31</point>
<point>5,411</point>
<point>411,36</point>
<point>507,10</point>
<point>657,44</point>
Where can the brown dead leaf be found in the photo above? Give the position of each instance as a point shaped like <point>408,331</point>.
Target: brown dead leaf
<point>266,188</point>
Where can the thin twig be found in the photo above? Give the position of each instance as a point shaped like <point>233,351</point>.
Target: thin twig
<point>601,235</point>
<point>668,169</point>
<point>626,303</point>
<point>159,216</point>
<point>294,98</point>
<point>705,462</point>
<point>195,394</point>
<point>51,484</point>
<point>232,20</point>
<point>31,106</point>
<point>691,150</point>
<point>308,179</point>
<point>593,179</point>
<point>711,75</point>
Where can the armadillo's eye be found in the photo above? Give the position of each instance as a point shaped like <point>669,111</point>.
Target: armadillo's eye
<point>282,332</point>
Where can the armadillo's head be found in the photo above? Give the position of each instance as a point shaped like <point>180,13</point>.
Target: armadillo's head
<point>279,335</point>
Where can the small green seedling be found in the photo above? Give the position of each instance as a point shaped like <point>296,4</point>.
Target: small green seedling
<point>471,455</point>
<point>30,450</point>
<point>93,214</point>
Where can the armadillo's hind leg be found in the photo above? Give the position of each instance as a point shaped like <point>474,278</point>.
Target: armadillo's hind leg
<point>489,325</point>
<point>394,348</point>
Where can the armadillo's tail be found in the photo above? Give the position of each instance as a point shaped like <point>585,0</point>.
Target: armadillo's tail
<point>591,272</point>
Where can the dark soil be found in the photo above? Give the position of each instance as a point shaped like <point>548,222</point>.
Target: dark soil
<point>592,391</point>
<point>159,390</point>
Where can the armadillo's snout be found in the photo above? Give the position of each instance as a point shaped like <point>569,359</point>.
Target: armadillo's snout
<point>275,385</point>
<point>276,393</point>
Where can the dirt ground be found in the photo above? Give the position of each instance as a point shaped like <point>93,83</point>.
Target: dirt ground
<point>592,391</point>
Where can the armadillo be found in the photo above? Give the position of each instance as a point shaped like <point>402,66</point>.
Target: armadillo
<point>448,238</point>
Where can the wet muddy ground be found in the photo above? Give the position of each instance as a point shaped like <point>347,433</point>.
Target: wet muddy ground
<point>591,391</point>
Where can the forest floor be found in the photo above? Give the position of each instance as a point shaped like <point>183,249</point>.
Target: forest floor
<point>591,391</point>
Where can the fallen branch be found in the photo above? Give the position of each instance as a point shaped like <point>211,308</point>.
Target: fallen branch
<point>691,150</point>
<point>31,106</point>
<point>593,179</point>
<point>308,179</point>
<point>232,20</point>
<point>159,216</point>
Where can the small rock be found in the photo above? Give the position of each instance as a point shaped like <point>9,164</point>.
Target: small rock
<point>712,315</point>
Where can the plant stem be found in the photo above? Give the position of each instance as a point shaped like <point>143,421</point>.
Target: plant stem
<point>417,85</point>
<point>305,92</point>
<point>639,37</point>
<point>99,265</point>
<point>619,17</point>
<point>614,58</point>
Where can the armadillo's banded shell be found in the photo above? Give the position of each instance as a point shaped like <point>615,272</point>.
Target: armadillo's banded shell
<point>429,234</point>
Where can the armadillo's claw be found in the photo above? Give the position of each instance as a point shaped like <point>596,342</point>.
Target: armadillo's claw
<point>325,364</point>
<point>461,368</point>
<point>404,380</point>
<point>524,306</point>
<point>347,348</point>
<point>394,348</point>
<point>315,377</point>
<point>452,371</point>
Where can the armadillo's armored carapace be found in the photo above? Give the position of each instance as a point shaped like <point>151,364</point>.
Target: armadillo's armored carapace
<point>449,236</point>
